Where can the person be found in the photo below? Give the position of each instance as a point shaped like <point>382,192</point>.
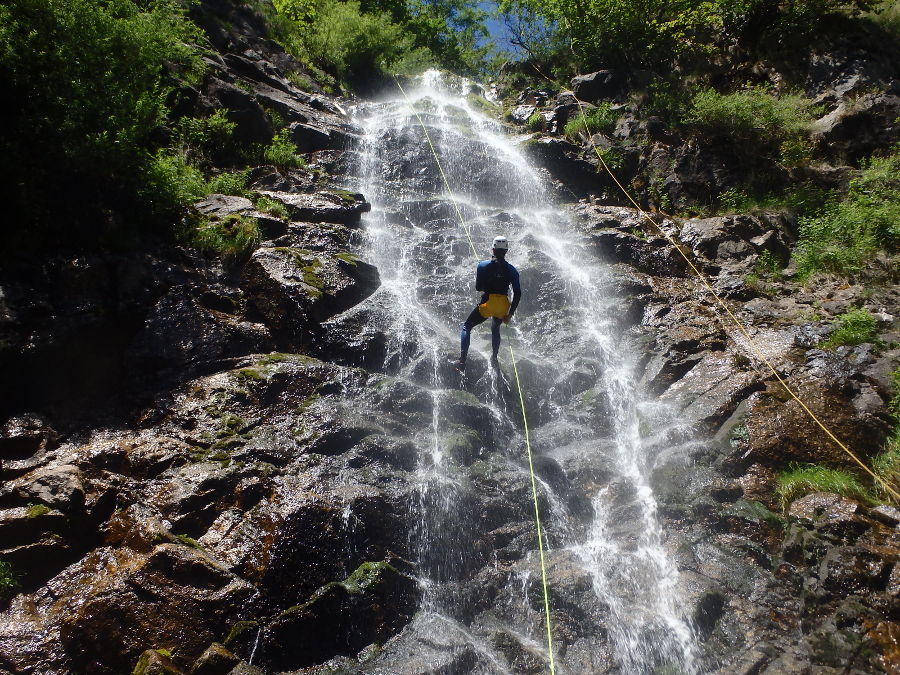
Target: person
<point>493,278</point>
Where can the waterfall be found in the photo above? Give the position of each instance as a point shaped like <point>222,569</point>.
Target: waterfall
<point>579,379</point>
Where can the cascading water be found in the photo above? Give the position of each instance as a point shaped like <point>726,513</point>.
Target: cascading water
<point>579,382</point>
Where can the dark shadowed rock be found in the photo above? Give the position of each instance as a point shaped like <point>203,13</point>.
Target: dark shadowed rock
<point>371,605</point>
<point>603,85</point>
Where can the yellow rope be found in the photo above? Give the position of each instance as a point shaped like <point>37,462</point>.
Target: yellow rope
<point>702,277</point>
<point>537,512</point>
<point>440,168</point>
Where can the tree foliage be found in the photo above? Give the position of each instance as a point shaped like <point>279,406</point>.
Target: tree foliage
<point>363,42</point>
<point>655,34</point>
<point>91,82</point>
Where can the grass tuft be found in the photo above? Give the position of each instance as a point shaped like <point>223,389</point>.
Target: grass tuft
<point>800,480</point>
<point>853,328</point>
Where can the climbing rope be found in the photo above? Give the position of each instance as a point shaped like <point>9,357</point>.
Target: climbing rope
<point>534,493</point>
<point>758,353</point>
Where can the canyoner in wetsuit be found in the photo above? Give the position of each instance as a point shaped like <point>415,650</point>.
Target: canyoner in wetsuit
<point>493,278</point>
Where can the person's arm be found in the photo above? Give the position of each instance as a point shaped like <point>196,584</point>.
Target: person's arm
<point>517,290</point>
<point>479,277</point>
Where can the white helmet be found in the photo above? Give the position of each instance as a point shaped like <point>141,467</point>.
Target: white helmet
<point>500,242</point>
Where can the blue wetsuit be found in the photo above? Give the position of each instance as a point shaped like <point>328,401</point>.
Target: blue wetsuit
<point>493,276</point>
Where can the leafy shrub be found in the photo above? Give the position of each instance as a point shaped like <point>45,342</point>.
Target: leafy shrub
<point>362,47</point>
<point>230,183</point>
<point>799,480</point>
<point>283,153</point>
<point>91,80</point>
<point>853,328</point>
<point>205,141</point>
<point>754,118</point>
<point>535,122</point>
<point>845,234</point>
<point>233,238</point>
<point>171,180</point>
<point>600,120</point>
<point>9,580</point>
<point>272,207</point>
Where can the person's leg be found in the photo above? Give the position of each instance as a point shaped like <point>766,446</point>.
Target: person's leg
<point>465,333</point>
<point>495,335</point>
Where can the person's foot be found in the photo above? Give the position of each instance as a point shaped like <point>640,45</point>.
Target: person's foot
<point>495,362</point>
<point>459,364</point>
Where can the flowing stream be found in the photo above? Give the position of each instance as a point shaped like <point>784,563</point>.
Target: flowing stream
<point>586,413</point>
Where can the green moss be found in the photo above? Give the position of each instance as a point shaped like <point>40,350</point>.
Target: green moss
<point>482,104</point>
<point>308,402</point>
<point>165,668</point>
<point>754,512</point>
<point>348,258</point>
<point>365,576</point>
<point>189,541</point>
<point>274,357</point>
<point>248,375</point>
<point>36,510</point>
<point>239,629</point>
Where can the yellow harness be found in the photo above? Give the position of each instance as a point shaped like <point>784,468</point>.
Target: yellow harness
<point>497,306</point>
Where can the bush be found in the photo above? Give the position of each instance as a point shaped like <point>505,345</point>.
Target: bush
<point>91,80</point>
<point>9,580</point>
<point>233,238</point>
<point>230,183</point>
<point>799,480</point>
<point>852,328</point>
<point>170,180</point>
<point>535,122</point>
<point>283,153</point>
<point>756,120</point>
<point>205,141</point>
<point>846,234</point>
<point>363,49</point>
<point>272,207</point>
<point>600,120</point>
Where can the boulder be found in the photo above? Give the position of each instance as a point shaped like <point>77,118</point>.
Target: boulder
<point>188,333</point>
<point>602,85</point>
<point>371,605</point>
<point>857,128</point>
<point>322,207</point>
<point>294,288</point>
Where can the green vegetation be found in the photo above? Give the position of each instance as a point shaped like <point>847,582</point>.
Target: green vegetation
<point>535,122</point>
<point>852,328</point>
<point>91,81</point>
<point>283,153</point>
<point>756,119</point>
<point>272,207</point>
<point>655,35</point>
<point>848,233</point>
<point>36,510</point>
<point>229,183</point>
<point>600,120</point>
<point>886,465</point>
<point>799,480</point>
<point>233,238</point>
<point>9,580</point>
<point>363,43</point>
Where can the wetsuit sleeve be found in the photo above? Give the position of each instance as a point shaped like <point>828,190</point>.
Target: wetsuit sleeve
<point>517,290</point>
<point>479,276</point>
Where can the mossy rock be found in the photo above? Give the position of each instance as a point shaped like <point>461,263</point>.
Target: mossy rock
<point>156,662</point>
